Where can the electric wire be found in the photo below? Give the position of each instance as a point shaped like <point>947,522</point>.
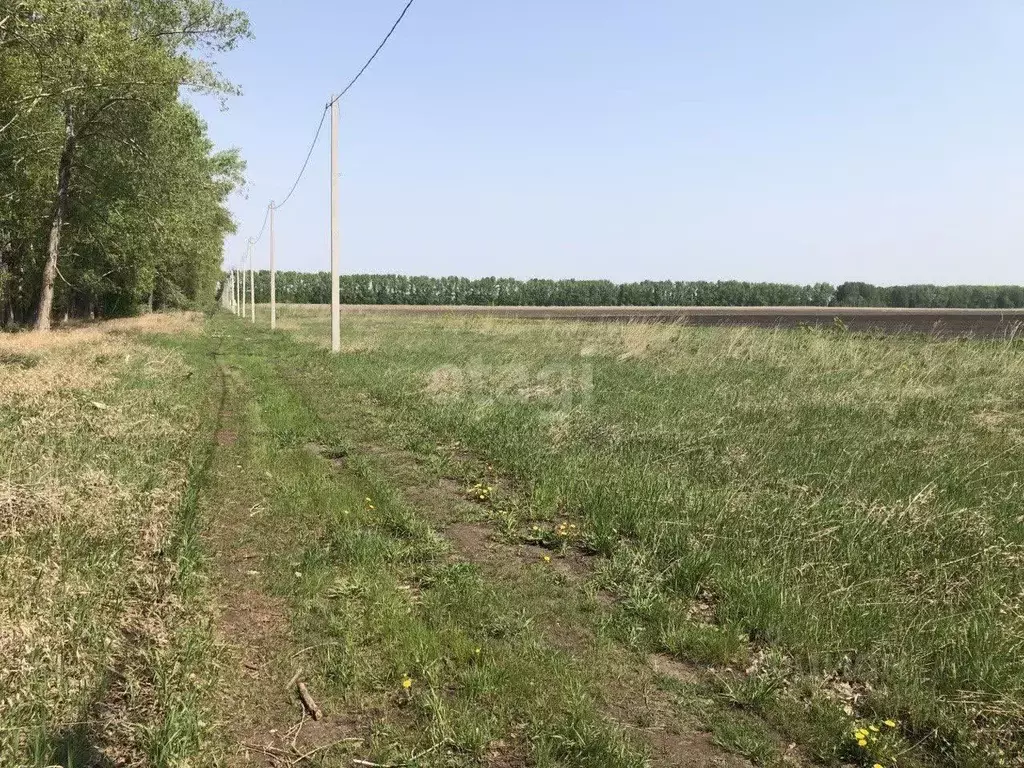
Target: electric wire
<point>263,226</point>
<point>323,117</point>
<point>369,61</point>
<point>302,171</point>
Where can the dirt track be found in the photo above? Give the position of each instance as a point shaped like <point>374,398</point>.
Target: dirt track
<point>989,323</point>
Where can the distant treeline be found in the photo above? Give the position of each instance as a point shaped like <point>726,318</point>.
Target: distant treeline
<point>315,288</point>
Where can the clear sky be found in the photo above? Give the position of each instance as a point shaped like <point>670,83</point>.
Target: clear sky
<point>791,140</point>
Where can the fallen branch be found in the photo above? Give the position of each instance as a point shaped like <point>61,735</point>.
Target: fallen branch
<point>308,702</point>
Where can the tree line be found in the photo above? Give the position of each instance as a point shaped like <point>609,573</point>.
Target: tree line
<point>111,194</point>
<point>315,288</point>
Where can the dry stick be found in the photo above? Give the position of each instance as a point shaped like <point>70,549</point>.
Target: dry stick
<point>427,751</point>
<point>268,750</point>
<point>313,647</point>
<point>416,756</point>
<point>298,729</point>
<point>307,700</point>
<point>312,752</point>
<point>294,680</point>
<point>294,758</point>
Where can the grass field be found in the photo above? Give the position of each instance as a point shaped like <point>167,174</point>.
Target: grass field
<point>944,323</point>
<point>484,541</point>
<point>840,513</point>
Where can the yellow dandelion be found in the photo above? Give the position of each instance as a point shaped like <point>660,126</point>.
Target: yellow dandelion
<point>890,723</point>
<point>477,651</point>
<point>877,765</point>
<point>547,558</point>
<point>861,743</point>
<point>873,728</point>
<point>407,683</point>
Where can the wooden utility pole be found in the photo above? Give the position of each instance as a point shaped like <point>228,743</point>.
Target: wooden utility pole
<point>241,291</point>
<point>273,273</point>
<point>335,233</point>
<point>252,284</point>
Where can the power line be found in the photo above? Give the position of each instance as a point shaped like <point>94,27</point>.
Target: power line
<point>263,226</point>
<point>309,154</point>
<point>369,61</point>
<point>323,117</point>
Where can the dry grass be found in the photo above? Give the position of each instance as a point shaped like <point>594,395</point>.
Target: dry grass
<point>93,463</point>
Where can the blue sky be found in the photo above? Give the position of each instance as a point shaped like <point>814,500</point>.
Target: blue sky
<point>792,140</point>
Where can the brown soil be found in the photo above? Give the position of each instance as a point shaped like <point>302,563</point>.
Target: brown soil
<point>663,664</point>
<point>472,540</point>
<point>639,705</point>
<point>335,456</point>
<point>226,437</point>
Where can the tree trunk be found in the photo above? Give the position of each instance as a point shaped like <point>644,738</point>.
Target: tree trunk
<point>60,214</point>
<point>6,277</point>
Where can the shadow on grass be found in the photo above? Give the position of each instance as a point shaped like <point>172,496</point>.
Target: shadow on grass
<point>74,747</point>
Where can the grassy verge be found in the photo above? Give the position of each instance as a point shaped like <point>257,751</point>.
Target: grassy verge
<point>828,522</point>
<point>106,652</point>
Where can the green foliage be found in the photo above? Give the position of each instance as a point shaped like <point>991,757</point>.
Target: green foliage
<point>978,296</point>
<point>315,288</point>
<point>93,87</point>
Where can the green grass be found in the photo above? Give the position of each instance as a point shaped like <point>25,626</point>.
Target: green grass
<point>824,528</point>
<point>842,509</point>
<point>104,636</point>
<point>377,595</point>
